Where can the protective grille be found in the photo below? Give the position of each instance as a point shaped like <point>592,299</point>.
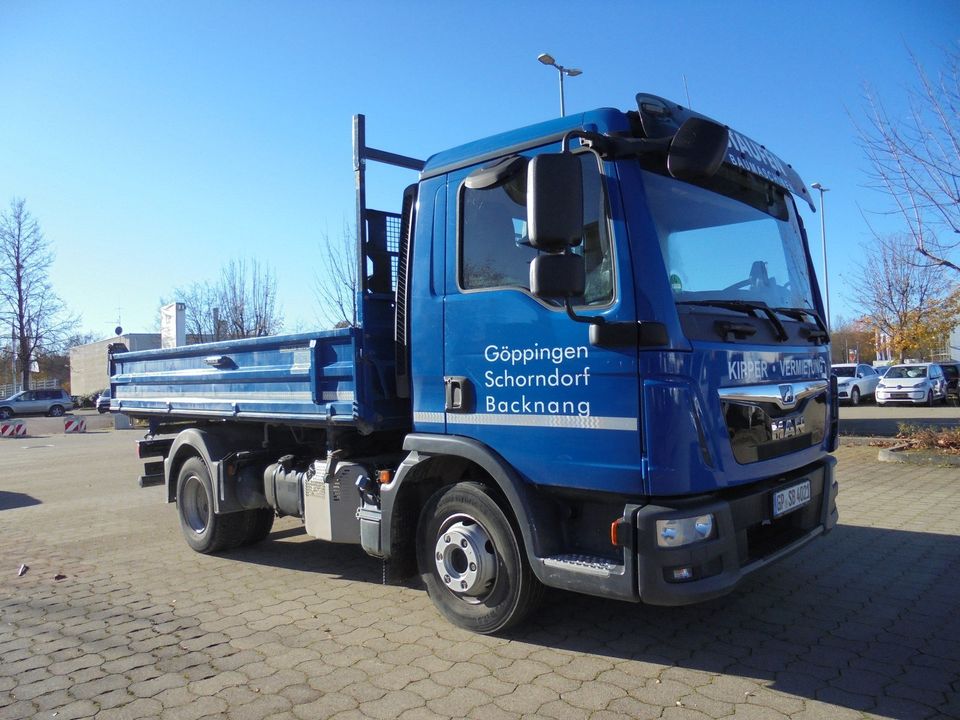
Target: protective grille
<point>382,250</point>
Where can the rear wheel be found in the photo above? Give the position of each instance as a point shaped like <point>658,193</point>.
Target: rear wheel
<point>472,561</point>
<point>204,530</point>
<point>55,411</point>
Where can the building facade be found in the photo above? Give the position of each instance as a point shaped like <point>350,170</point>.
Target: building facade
<point>89,367</point>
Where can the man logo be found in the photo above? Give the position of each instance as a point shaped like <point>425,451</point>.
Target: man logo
<point>787,398</point>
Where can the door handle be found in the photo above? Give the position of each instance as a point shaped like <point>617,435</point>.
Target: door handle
<point>458,394</point>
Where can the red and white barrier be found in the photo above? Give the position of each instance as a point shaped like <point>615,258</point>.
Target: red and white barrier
<point>74,425</point>
<point>13,428</point>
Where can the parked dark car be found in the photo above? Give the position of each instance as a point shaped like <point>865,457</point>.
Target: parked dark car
<point>36,402</point>
<point>951,371</point>
<point>103,401</point>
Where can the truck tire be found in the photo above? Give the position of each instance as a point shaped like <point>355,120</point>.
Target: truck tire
<point>259,525</point>
<point>205,531</point>
<point>472,561</point>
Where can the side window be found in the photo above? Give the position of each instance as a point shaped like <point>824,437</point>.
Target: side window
<point>494,252</point>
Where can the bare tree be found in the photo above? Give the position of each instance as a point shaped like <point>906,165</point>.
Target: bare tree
<point>201,316</point>
<point>248,299</point>
<point>335,284</point>
<point>913,304</point>
<point>31,310</point>
<point>916,160</point>
<point>242,303</point>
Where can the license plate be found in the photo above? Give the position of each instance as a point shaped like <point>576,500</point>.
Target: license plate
<point>791,498</point>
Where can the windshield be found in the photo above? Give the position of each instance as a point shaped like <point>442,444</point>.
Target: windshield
<point>719,248</point>
<point>843,371</point>
<point>905,371</point>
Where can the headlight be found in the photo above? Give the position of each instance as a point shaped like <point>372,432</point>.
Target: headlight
<point>683,531</point>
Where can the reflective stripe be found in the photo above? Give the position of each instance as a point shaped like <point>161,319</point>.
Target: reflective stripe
<point>233,396</point>
<point>190,393</point>
<point>429,417</point>
<point>340,395</point>
<point>550,421</point>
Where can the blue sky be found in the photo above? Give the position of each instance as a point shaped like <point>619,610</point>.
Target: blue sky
<point>154,141</point>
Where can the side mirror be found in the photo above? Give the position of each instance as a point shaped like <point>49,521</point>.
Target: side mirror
<point>698,149</point>
<point>554,202</point>
<point>558,276</point>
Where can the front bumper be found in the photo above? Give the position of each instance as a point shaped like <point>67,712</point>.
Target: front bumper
<point>907,395</point>
<point>748,537</point>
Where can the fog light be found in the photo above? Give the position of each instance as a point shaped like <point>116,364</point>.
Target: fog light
<point>682,573</point>
<point>683,531</point>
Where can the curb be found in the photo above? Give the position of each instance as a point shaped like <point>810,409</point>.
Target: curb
<point>898,454</point>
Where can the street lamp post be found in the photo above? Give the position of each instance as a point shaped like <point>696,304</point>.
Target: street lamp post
<point>547,59</point>
<point>823,243</point>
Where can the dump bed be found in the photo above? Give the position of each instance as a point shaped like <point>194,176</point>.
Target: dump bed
<point>320,378</point>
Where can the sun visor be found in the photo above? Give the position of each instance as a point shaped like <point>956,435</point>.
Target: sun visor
<point>661,118</point>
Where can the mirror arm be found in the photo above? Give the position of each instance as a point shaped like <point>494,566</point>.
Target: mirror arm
<point>612,147</point>
<point>581,318</point>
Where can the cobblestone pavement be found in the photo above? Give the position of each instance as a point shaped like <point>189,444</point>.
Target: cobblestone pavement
<point>863,623</point>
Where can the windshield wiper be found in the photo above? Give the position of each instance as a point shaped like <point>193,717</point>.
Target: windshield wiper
<point>748,308</point>
<point>820,333</point>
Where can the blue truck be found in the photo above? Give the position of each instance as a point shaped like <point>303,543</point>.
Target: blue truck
<point>590,355</point>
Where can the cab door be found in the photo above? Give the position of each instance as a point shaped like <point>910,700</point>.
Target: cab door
<point>520,375</point>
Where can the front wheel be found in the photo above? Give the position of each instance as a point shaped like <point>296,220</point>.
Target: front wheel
<point>929,398</point>
<point>855,396</point>
<point>259,525</point>
<point>472,561</point>
<point>204,530</point>
<point>6,413</point>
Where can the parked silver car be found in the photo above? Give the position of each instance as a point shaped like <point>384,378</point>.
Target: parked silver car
<point>917,383</point>
<point>855,381</point>
<point>36,402</point>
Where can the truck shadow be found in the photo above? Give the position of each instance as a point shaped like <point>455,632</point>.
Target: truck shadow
<point>13,500</point>
<point>865,618</point>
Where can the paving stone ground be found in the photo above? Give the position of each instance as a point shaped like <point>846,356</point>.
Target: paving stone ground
<point>863,623</point>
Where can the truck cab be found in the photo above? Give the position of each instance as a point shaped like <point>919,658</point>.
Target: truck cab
<point>681,390</point>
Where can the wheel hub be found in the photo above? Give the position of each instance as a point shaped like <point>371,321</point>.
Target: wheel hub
<point>195,506</point>
<point>465,559</point>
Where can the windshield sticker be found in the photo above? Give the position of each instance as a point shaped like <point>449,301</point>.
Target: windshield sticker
<point>551,380</point>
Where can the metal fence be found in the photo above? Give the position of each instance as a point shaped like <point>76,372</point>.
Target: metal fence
<point>9,389</point>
